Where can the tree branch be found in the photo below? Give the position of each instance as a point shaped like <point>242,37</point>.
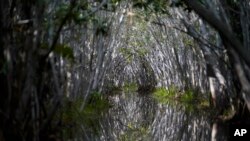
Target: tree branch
<point>219,25</point>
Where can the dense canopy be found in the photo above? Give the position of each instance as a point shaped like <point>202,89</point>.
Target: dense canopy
<point>56,56</point>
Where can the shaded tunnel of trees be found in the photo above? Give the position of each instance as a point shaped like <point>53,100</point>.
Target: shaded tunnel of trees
<point>54,53</point>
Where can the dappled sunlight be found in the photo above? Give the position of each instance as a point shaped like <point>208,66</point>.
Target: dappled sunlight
<point>124,70</point>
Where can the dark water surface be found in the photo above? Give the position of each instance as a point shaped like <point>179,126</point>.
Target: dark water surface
<point>135,117</point>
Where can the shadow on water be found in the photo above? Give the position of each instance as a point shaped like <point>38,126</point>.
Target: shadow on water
<point>135,117</point>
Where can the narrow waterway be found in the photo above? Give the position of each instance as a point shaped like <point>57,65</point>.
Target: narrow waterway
<point>136,117</point>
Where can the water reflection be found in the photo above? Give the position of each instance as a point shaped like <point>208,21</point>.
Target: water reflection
<point>139,117</point>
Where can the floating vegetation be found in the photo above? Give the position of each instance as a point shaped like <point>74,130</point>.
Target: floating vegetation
<point>190,99</point>
<point>164,95</point>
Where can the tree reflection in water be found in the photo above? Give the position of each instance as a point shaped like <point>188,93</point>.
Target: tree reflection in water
<point>140,117</point>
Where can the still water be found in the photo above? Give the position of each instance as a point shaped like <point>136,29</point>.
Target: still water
<point>134,117</point>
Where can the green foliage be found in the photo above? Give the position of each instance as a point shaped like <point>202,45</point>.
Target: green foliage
<point>79,14</point>
<point>141,52</point>
<point>189,99</point>
<point>127,53</point>
<point>136,43</point>
<point>65,51</point>
<point>111,5</point>
<point>60,49</point>
<point>72,116</point>
<point>141,3</point>
<point>164,95</point>
<point>79,17</point>
<point>62,10</point>
<point>158,6</point>
<point>188,96</point>
<point>130,87</point>
<point>102,25</point>
<point>188,42</point>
